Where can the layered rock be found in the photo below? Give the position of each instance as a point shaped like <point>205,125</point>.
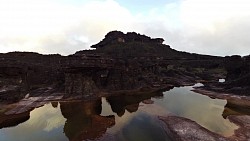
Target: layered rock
<point>22,72</point>
<point>120,62</point>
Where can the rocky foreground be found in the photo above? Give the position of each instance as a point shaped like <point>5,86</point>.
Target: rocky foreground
<point>182,129</point>
<point>121,64</point>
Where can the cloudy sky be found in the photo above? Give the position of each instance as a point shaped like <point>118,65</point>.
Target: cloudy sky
<point>217,27</point>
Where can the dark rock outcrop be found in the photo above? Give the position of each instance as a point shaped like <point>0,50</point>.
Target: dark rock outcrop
<point>120,62</point>
<point>238,74</point>
<point>237,77</point>
<point>22,72</point>
<point>119,37</point>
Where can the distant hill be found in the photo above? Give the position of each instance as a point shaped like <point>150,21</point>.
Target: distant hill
<point>131,45</point>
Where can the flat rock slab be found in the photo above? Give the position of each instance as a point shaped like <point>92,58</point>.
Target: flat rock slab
<point>30,103</point>
<point>232,100</point>
<point>182,129</point>
<point>243,132</point>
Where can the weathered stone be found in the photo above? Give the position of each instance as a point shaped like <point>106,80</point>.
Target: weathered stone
<point>182,129</point>
<point>120,62</point>
<point>243,132</point>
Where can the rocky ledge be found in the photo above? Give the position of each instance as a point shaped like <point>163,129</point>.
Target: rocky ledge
<point>182,129</point>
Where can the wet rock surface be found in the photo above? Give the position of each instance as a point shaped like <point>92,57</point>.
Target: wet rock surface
<point>182,129</point>
<point>243,132</point>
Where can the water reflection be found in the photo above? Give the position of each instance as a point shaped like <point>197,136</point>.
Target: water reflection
<point>13,120</point>
<point>134,126</point>
<point>205,111</point>
<point>84,120</point>
<point>123,118</point>
<point>140,127</point>
<point>232,110</point>
<point>45,123</point>
<point>129,102</point>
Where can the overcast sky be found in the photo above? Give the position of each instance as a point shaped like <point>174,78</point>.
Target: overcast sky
<point>216,27</point>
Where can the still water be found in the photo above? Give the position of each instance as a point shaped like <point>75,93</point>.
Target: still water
<point>123,118</point>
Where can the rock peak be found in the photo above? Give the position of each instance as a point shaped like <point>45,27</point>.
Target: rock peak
<point>119,37</point>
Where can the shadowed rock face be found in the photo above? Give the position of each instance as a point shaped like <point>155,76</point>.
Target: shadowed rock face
<point>78,84</point>
<point>237,78</point>
<point>26,71</point>
<point>237,67</point>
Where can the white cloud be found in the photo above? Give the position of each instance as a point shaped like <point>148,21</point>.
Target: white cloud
<point>218,27</point>
<point>204,12</point>
<point>49,27</point>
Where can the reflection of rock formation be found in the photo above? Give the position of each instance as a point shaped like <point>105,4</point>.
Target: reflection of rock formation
<point>83,120</point>
<point>54,104</point>
<point>128,102</point>
<point>13,120</point>
<point>234,110</point>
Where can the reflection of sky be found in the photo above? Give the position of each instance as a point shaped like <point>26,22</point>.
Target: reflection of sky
<point>141,127</point>
<point>45,123</point>
<point>202,109</point>
<point>119,121</point>
<point>179,101</point>
<point>136,126</point>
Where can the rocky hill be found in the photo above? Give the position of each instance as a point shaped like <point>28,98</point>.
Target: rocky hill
<point>120,62</point>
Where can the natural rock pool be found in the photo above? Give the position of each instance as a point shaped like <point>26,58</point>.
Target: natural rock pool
<point>123,118</point>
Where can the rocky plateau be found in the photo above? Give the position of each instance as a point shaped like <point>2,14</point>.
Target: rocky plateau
<point>122,64</point>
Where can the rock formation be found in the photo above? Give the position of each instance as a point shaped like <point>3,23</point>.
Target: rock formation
<point>237,77</point>
<point>119,62</point>
<point>182,129</point>
<point>133,66</point>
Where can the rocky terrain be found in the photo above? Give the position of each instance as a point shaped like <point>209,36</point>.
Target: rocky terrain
<point>236,88</point>
<point>121,64</point>
<point>237,78</point>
